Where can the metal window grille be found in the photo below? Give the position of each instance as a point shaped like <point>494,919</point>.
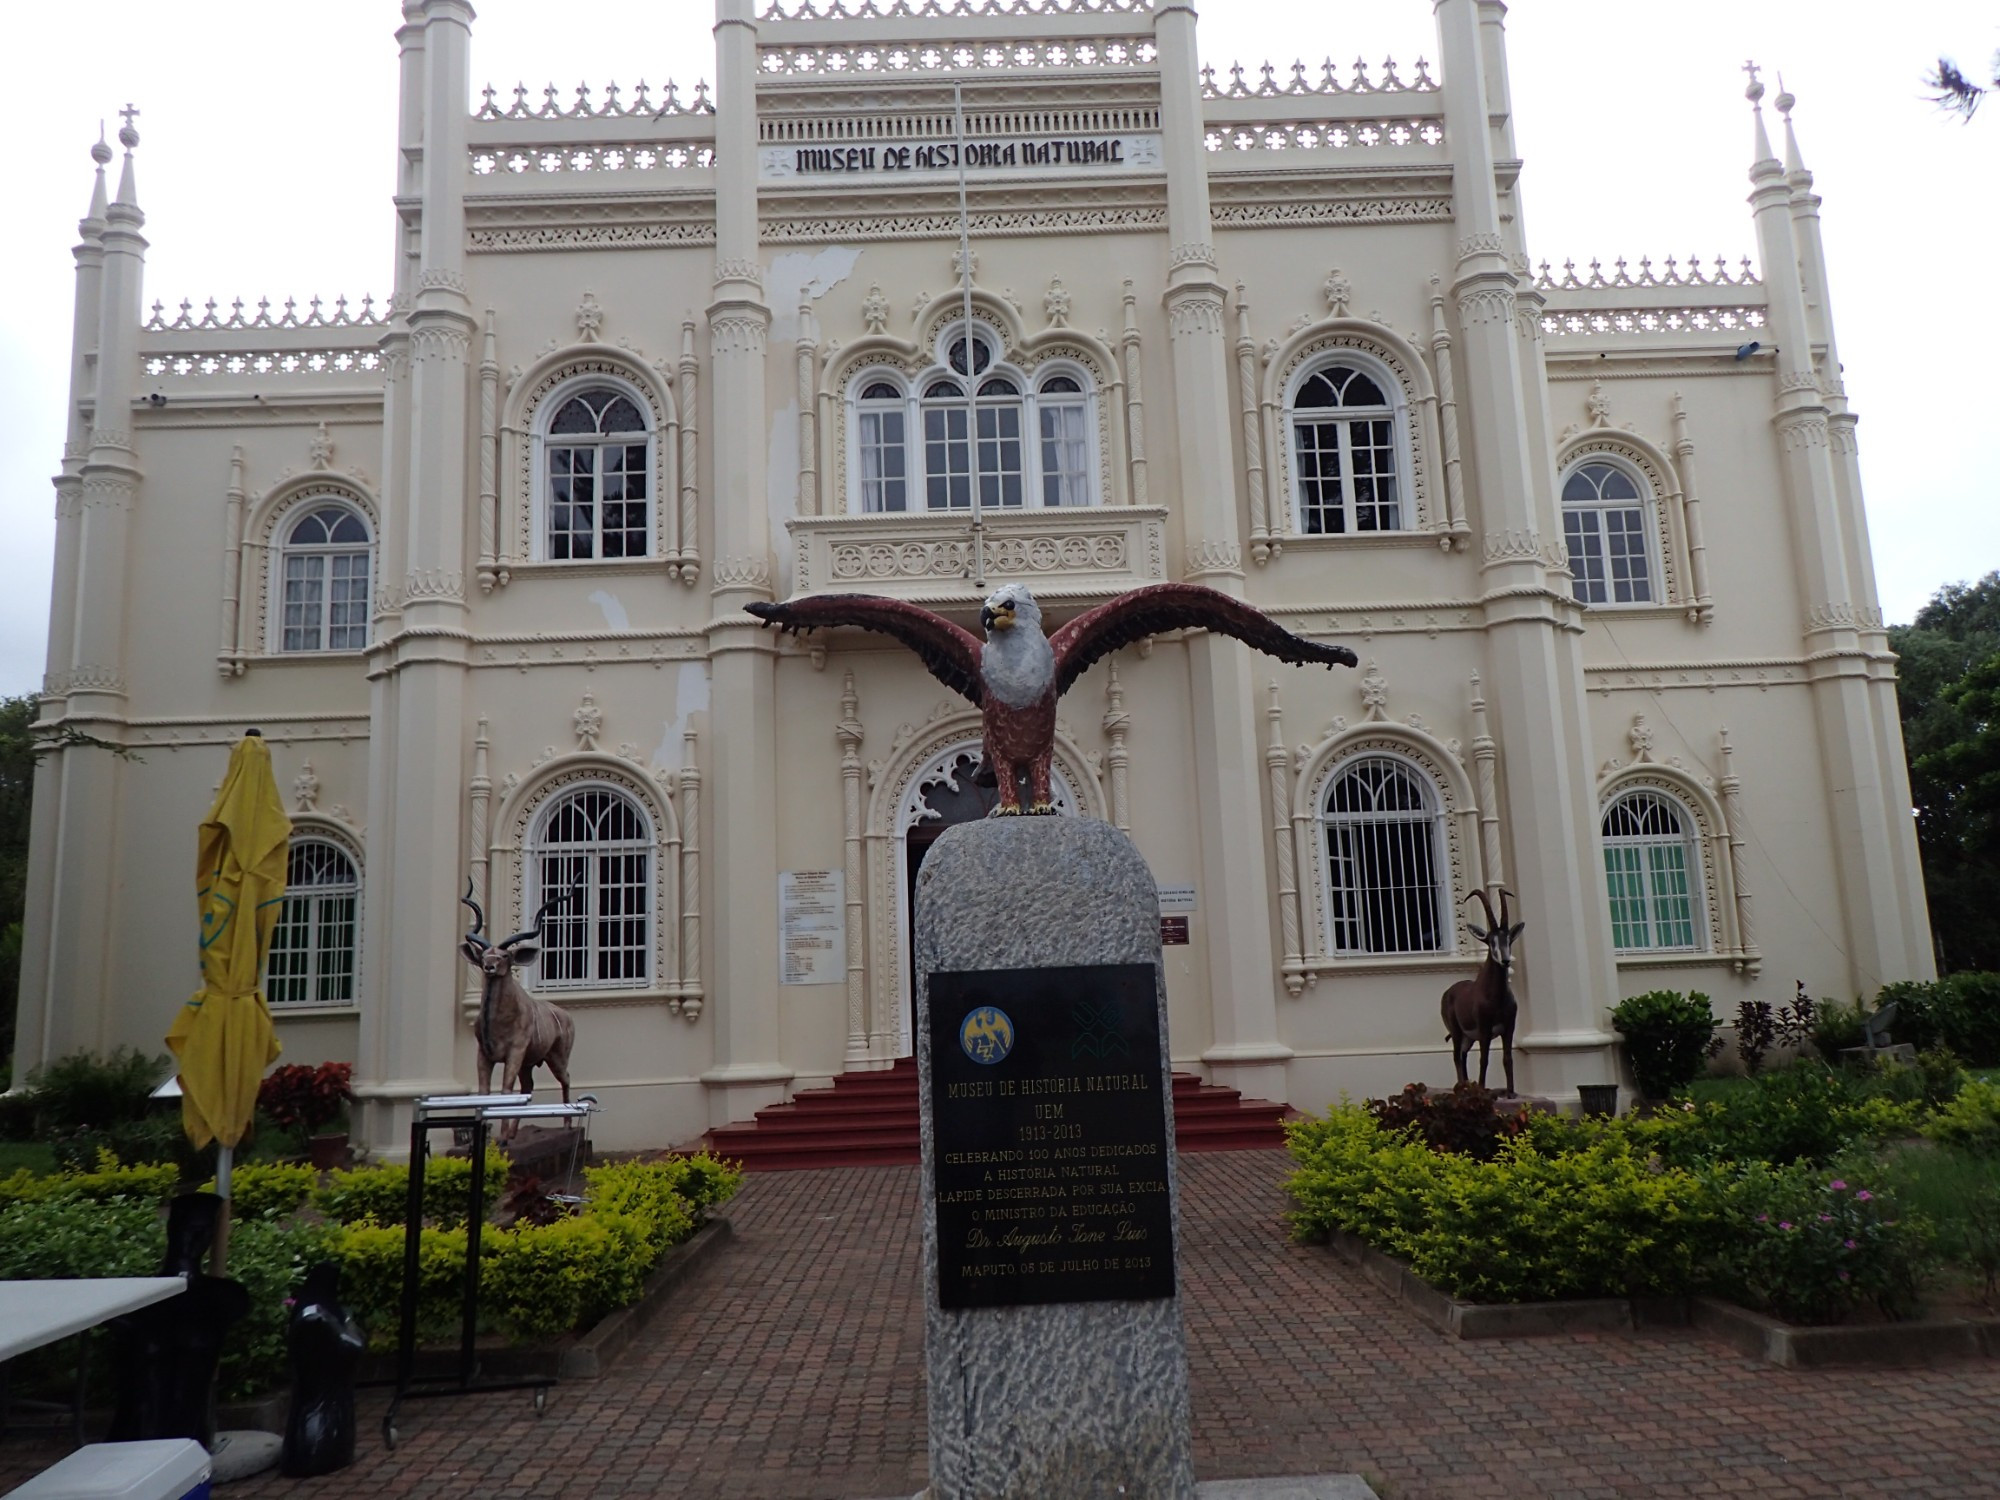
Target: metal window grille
<point>1384,841</point>
<point>312,958</point>
<point>1344,445</point>
<point>1649,865</point>
<point>1604,526</point>
<point>595,842</point>
<point>599,478</point>
<point>324,605</point>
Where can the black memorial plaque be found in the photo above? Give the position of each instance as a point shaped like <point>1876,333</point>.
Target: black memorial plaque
<point>1050,1136</point>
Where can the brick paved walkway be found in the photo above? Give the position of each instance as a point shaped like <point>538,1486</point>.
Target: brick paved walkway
<point>793,1367</point>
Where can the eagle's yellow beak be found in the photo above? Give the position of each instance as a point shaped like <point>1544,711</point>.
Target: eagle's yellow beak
<point>997,619</point>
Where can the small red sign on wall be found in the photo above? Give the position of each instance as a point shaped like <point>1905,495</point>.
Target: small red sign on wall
<point>1173,930</point>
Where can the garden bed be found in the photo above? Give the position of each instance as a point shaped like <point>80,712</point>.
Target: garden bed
<point>1915,1342</point>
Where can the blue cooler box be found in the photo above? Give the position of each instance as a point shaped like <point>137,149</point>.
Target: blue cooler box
<point>170,1469</point>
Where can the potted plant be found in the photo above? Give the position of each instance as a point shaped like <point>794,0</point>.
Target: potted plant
<point>313,1100</point>
<point>1668,1037</point>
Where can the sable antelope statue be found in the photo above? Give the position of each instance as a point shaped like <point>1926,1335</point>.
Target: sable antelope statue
<point>1482,1007</point>
<point>515,1029</point>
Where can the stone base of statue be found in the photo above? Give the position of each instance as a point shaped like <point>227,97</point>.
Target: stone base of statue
<point>1057,1360</point>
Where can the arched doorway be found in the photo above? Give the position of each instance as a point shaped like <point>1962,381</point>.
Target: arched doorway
<point>943,795</point>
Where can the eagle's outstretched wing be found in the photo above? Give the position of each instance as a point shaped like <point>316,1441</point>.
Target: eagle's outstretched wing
<point>1178,606</point>
<point>951,653</point>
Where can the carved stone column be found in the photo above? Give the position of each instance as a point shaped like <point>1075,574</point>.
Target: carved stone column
<point>848,733</point>
<point>1246,1050</point>
<point>747,1072</point>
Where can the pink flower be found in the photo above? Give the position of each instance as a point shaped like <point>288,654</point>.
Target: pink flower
<point>1850,1245</point>
<point>1783,1225</point>
<point>1837,1185</point>
<point>1844,1276</point>
<point>1763,1218</point>
<point>1826,1218</point>
<point>1688,1108</point>
<point>1863,1196</point>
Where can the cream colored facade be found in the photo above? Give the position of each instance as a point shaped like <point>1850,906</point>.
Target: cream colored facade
<point>1163,264</point>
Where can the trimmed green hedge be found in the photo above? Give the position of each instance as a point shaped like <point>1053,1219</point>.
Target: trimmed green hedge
<point>537,1281</point>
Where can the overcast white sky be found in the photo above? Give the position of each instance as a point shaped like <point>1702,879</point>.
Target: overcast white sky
<point>267,159</point>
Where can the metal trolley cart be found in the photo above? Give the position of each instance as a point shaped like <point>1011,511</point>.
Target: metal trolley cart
<point>475,1114</point>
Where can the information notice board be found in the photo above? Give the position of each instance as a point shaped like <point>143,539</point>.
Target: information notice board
<point>1050,1136</point>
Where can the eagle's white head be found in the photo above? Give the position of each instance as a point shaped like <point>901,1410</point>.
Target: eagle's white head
<point>1010,606</point>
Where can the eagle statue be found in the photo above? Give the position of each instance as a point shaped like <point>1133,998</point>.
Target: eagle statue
<point>1017,673</point>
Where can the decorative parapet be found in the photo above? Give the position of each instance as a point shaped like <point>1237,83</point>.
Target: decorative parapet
<point>1321,134</point>
<point>1328,82</point>
<point>315,316</point>
<point>871,10</point>
<point>1086,552</point>
<point>590,156</point>
<point>945,58</point>
<point>639,106</point>
<point>1621,275</point>
<point>316,359</point>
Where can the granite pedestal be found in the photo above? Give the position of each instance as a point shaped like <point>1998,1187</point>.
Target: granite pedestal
<point>1077,1399</point>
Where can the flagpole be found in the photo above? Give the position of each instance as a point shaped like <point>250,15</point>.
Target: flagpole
<point>971,386</point>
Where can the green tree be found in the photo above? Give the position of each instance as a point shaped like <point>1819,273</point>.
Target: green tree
<point>1949,691</point>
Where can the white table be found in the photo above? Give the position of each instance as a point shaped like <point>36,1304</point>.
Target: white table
<point>33,1313</point>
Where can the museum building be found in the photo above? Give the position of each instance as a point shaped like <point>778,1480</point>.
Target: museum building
<point>481,553</point>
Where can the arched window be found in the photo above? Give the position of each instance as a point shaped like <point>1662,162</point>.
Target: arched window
<point>1386,869</point>
<point>1651,866</point>
<point>1604,524</point>
<point>313,947</point>
<point>1344,445</point>
<point>593,847</point>
<point>883,447</point>
<point>324,564</point>
<point>597,464</point>
<point>1034,437</point>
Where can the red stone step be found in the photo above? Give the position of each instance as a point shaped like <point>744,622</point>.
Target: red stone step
<point>872,1119</point>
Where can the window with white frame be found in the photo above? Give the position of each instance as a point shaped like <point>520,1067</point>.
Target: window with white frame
<point>1031,440</point>
<point>1605,528</point>
<point>597,463</point>
<point>593,855</point>
<point>324,565</point>
<point>1651,866</point>
<point>1386,870</point>
<point>313,947</point>
<point>1345,469</point>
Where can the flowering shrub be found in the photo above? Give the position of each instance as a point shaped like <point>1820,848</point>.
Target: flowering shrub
<point>1810,1248</point>
<point>297,1097</point>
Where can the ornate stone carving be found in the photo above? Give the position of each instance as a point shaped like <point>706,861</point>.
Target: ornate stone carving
<point>319,449</point>
<point>1640,735</point>
<point>588,722</point>
<point>1056,303</point>
<point>1509,546</point>
<point>1486,304</point>
<point>439,280</point>
<point>731,268</point>
<point>1213,555</point>
<point>1374,693</point>
<point>305,788</point>
<point>1339,291</point>
<point>1479,244</point>
<point>589,319</point>
<point>1194,311</point>
<point>432,583</point>
<point>742,572</point>
<point>1597,405</point>
<point>875,310</point>
<point>738,333</point>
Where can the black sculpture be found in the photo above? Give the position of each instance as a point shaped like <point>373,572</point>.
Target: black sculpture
<point>165,1355</point>
<point>326,1344</point>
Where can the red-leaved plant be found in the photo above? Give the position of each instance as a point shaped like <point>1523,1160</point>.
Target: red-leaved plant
<point>296,1096</point>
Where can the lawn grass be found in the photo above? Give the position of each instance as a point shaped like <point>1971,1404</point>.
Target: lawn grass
<point>33,1155</point>
<point>1959,1192</point>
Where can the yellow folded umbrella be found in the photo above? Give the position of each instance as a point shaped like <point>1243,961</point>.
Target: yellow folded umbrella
<point>223,1037</point>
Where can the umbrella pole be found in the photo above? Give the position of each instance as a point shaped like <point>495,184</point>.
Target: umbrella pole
<point>218,1254</point>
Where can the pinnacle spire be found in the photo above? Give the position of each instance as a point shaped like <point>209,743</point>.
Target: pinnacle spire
<point>128,137</point>
<point>1794,165</point>
<point>101,154</point>
<point>1762,146</point>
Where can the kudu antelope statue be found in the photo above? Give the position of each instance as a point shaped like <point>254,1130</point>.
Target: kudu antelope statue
<point>1482,1007</point>
<point>517,1030</point>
